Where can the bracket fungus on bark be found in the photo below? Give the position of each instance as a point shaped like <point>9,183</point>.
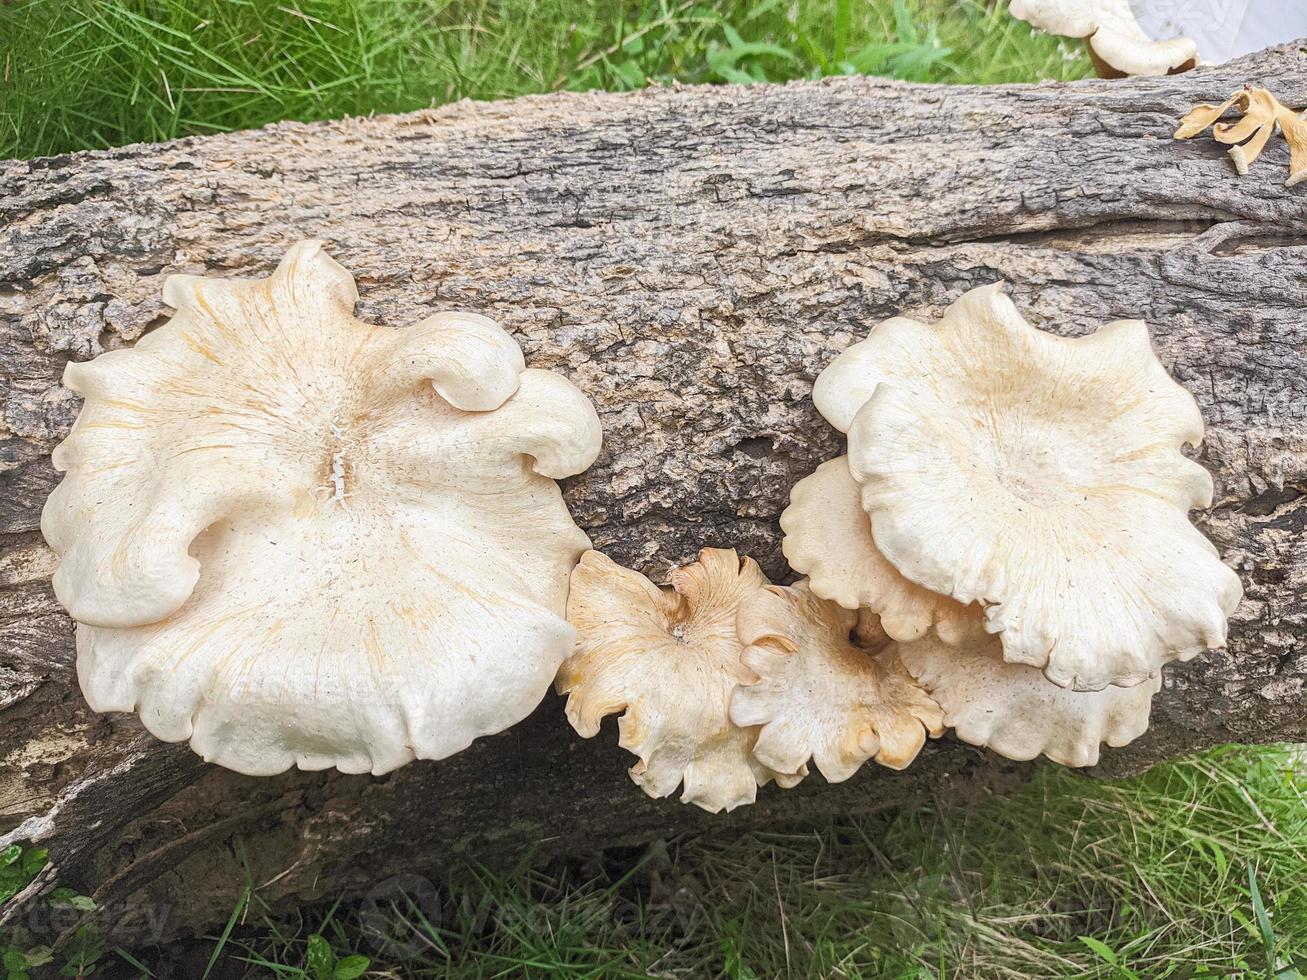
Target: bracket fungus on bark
<point>828,538</point>
<point>1118,46</point>
<point>1015,711</point>
<point>829,688</point>
<point>294,538</point>
<point>669,660</point>
<point>1263,115</point>
<point>1041,477</point>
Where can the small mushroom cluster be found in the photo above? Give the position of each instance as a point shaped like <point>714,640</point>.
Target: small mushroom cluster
<point>1004,551</point>
<point>1014,507</point>
<point>726,682</point>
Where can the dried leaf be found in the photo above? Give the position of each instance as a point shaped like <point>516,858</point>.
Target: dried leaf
<point>1263,116</point>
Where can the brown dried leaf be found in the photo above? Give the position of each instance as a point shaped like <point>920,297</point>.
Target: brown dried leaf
<point>1263,114</point>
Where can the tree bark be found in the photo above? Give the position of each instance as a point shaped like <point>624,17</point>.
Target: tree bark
<point>691,258</point>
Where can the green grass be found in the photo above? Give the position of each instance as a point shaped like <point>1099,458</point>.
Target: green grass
<point>87,74</point>
<point>1161,876</point>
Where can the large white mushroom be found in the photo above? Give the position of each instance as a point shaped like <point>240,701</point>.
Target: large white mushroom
<point>668,659</point>
<point>828,689</point>
<point>1117,44</point>
<point>1041,477</point>
<point>294,538</point>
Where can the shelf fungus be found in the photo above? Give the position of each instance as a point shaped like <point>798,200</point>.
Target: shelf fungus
<point>1263,115</point>
<point>297,539</point>
<point>669,660</point>
<point>1039,477</point>
<point>1118,46</point>
<point>828,537</point>
<point>1014,710</point>
<point>829,688</point>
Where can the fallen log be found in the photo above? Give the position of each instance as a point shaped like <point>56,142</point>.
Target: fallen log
<point>691,258</point>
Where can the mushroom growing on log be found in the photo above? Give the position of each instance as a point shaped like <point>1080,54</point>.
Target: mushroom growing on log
<point>691,259</point>
<point>1041,477</point>
<point>667,660</point>
<point>294,539</point>
<point>830,687</point>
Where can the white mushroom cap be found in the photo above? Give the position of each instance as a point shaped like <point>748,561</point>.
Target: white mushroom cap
<point>828,537</point>
<point>298,539</point>
<point>668,659</point>
<point>846,384</point>
<point>1065,18</point>
<point>1042,477</point>
<point>820,695</point>
<point>1114,34</point>
<point>1014,710</point>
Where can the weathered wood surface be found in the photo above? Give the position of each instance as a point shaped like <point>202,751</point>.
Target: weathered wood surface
<point>691,258</point>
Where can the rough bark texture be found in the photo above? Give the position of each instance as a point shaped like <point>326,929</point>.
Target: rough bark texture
<point>691,258</point>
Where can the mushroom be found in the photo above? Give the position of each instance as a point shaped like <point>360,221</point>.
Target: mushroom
<point>828,537</point>
<point>824,691</point>
<point>294,538</point>
<point>1043,478</point>
<point>1118,46</point>
<point>1262,114</point>
<point>1014,710</point>
<point>668,659</point>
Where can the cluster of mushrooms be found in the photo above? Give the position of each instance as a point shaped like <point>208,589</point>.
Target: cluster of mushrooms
<point>1004,551</point>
